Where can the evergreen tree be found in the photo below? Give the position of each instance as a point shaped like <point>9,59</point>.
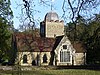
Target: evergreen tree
<point>89,34</point>
<point>93,41</point>
<point>6,16</point>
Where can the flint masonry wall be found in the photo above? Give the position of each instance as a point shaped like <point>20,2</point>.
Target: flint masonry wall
<point>54,29</point>
<point>32,56</point>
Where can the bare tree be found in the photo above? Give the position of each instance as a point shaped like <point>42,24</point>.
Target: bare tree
<point>26,16</point>
<point>77,8</point>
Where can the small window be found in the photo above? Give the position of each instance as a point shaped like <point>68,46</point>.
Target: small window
<point>64,46</point>
<point>25,59</point>
<point>44,58</point>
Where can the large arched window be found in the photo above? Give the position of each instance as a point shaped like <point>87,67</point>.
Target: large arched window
<point>64,56</point>
<point>25,59</point>
<point>44,58</point>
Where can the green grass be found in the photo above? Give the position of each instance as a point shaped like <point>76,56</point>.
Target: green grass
<point>52,72</point>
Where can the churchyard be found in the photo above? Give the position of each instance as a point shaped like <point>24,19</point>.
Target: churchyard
<point>35,70</point>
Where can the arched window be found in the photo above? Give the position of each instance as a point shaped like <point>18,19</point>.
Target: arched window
<point>44,58</point>
<point>34,63</point>
<point>25,59</point>
<point>64,56</point>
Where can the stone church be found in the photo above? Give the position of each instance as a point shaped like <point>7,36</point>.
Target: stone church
<point>52,47</point>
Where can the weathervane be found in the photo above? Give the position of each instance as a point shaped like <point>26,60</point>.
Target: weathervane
<point>52,4</point>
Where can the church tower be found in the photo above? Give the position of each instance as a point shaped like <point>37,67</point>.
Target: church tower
<point>51,26</point>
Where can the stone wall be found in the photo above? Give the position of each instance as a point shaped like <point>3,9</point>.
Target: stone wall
<point>54,29</point>
<point>64,41</point>
<point>37,57</point>
<point>79,59</point>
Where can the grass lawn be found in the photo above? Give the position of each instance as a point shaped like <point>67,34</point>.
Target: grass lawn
<point>53,72</point>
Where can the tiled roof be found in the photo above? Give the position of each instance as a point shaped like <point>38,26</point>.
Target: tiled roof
<point>79,47</point>
<point>26,42</point>
<point>57,41</point>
